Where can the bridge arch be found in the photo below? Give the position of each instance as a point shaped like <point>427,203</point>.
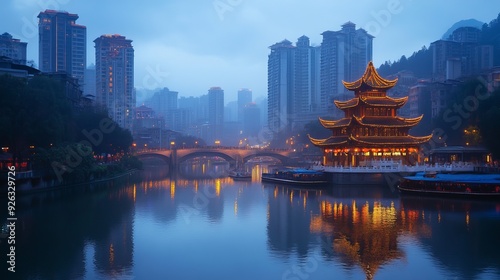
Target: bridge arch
<point>196,154</point>
<point>165,158</point>
<point>282,158</point>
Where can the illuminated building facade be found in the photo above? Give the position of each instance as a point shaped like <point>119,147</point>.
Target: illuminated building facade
<point>371,129</point>
<point>293,84</point>
<point>344,54</point>
<point>62,44</point>
<point>115,77</point>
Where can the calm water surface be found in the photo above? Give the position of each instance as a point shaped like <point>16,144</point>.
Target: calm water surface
<point>156,226</point>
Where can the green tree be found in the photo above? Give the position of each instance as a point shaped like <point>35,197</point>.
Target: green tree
<point>70,163</point>
<point>464,108</point>
<point>105,135</point>
<point>488,122</point>
<point>33,113</point>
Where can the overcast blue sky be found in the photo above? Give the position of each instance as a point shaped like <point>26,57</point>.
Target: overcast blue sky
<point>192,45</point>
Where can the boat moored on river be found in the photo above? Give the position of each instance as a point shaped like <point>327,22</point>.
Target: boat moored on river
<point>465,185</point>
<point>240,175</point>
<point>296,176</point>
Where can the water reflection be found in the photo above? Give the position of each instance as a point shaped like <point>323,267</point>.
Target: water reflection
<point>364,234</point>
<point>54,228</point>
<point>158,224</point>
<point>462,236</point>
<point>204,168</point>
<point>288,218</point>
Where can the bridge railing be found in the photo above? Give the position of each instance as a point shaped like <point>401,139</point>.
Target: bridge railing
<point>212,148</point>
<point>455,167</point>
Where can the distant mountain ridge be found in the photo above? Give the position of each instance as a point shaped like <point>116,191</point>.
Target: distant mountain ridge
<point>463,23</point>
<point>420,62</point>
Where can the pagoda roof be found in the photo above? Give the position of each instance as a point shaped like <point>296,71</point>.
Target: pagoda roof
<point>330,141</point>
<point>370,140</point>
<point>385,101</point>
<point>347,104</point>
<point>387,121</point>
<point>338,123</point>
<point>370,79</point>
<point>372,121</point>
<point>391,140</point>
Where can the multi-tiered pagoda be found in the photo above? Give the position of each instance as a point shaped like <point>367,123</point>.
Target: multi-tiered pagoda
<point>371,129</point>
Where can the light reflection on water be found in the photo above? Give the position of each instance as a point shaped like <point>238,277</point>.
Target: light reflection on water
<point>160,226</point>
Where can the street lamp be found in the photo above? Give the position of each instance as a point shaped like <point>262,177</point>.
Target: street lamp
<point>217,143</point>
<point>172,145</point>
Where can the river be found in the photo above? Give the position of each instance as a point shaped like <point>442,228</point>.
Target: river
<point>195,225</point>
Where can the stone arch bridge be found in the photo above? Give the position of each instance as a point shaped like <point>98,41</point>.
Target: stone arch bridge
<point>235,156</point>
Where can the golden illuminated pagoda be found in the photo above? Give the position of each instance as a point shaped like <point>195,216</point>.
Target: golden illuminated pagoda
<point>371,129</point>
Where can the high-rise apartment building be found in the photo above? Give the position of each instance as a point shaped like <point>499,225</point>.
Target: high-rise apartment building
<point>305,93</point>
<point>62,44</point>
<point>280,86</point>
<point>303,80</point>
<point>13,48</point>
<point>215,113</point>
<point>164,103</point>
<point>244,97</point>
<point>115,77</point>
<point>344,56</point>
<point>461,55</point>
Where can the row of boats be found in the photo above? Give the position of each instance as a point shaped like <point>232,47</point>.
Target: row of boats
<point>427,183</point>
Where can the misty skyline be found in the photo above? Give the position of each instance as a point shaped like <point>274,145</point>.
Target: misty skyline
<point>192,46</point>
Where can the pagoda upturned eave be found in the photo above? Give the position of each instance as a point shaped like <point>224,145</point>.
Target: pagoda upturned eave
<point>387,121</point>
<point>372,121</point>
<point>391,140</point>
<point>332,140</point>
<point>385,101</point>
<point>369,141</point>
<point>370,80</point>
<point>334,124</point>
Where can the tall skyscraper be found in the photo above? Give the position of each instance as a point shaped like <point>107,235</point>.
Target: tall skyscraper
<point>13,48</point>
<point>279,86</point>
<point>62,44</point>
<point>293,87</point>
<point>244,97</point>
<point>305,83</point>
<point>115,77</point>
<point>215,113</point>
<point>164,103</point>
<point>344,56</point>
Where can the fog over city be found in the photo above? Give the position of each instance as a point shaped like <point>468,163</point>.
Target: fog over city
<point>190,46</point>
